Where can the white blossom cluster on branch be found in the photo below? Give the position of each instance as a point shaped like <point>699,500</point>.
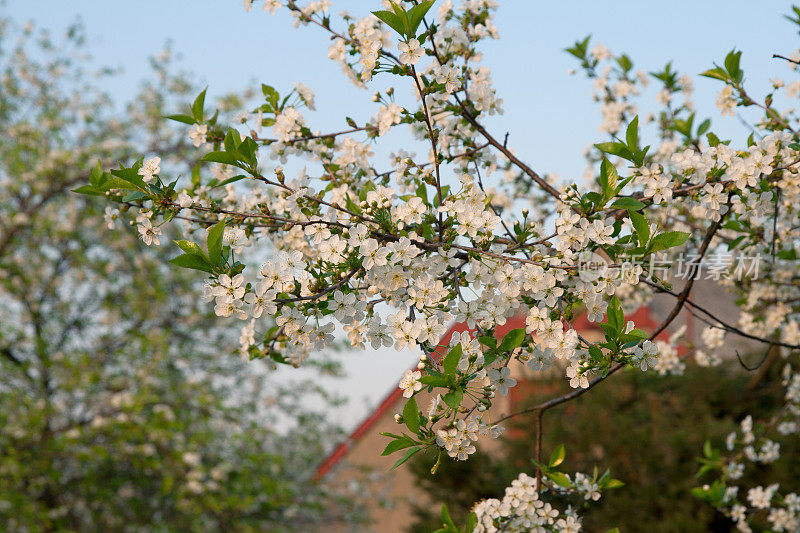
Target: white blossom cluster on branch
<point>393,252</point>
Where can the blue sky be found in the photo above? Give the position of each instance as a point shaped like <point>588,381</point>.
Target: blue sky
<point>548,113</point>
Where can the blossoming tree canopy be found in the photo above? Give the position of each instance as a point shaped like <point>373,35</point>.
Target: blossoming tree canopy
<point>394,251</point>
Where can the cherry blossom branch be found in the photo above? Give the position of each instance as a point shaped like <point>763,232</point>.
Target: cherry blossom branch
<point>322,293</point>
<point>684,295</point>
<point>664,324</point>
<point>506,152</point>
<point>295,140</point>
<point>283,221</point>
<point>778,56</point>
<point>450,158</point>
<point>260,177</point>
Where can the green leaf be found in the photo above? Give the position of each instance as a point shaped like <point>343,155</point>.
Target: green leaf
<point>641,226</point>
<point>637,333</point>
<point>705,469</point>
<point>684,127</point>
<point>192,261</point>
<point>608,179</point>
<point>422,192</point>
<point>191,248</point>
<point>399,443</point>
<point>138,195</point>
<point>408,455</point>
<point>119,183</point>
<point>397,8</point>
<point>668,239</point>
<point>89,189</point>
<point>415,16</point>
<point>512,340</point>
<point>624,62</point>
<point>395,22</point>
<point>615,148</point>
<point>488,340</point>
<point>437,380</point>
<point>595,198</point>
<point>197,106</point>
<point>131,175</point>
<point>732,64</point>
<point>233,179</point>
<point>596,353</point>
<point>247,149</point>
<point>717,490</point>
<point>557,457</point>
<point>613,484</point>
<point>446,517</point>
<point>716,73</point>
<point>450,361</point>
<point>411,415</point>
<point>626,202</point>
<point>186,119</point>
<point>559,478</point>
<point>96,174</point>
<point>614,316</point>
<point>453,398</point>
<point>232,141</point>
<point>472,522</point>
<point>214,241</point>
<point>225,158</point>
<point>703,127</point>
<point>270,94</point>
<point>632,134</point>
<point>580,48</point>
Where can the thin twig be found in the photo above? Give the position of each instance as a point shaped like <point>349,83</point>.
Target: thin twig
<point>778,56</point>
<point>751,368</point>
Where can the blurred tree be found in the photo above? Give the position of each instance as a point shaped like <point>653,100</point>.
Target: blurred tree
<point>117,410</point>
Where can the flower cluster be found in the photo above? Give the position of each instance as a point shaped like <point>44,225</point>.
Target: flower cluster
<point>522,509</point>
